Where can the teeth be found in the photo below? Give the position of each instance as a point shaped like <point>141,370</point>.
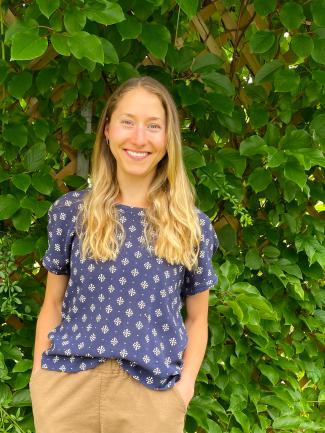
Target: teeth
<point>137,153</point>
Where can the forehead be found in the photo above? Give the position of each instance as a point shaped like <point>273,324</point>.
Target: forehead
<point>140,102</point>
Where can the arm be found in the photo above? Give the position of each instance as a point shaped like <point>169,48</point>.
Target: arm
<point>196,324</point>
<point>50,314</point>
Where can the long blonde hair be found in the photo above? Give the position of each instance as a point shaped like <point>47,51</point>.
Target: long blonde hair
<point>172,227</point>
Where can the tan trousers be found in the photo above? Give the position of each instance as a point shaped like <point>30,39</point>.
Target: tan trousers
<point>104,399</point>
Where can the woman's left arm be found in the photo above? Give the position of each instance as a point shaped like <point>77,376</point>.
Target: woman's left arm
<point>196,324</point>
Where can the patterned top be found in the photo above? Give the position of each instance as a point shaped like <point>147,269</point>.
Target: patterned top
<point>128,309</point>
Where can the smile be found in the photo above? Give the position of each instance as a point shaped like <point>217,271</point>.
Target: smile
<point>137,155</point>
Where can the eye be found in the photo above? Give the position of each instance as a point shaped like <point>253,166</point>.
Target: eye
<point>127,122</point>
<point>154,126</point>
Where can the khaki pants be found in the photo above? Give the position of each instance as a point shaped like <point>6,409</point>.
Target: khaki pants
<point>104,399</point>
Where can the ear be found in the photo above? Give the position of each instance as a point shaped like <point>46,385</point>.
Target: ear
<point>106,131</point>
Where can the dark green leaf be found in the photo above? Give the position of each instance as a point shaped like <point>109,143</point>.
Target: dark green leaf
<point>253,145</point>
<point>291,15</point>
<point>262,41</point>
<point>318,11</point>
<point>83,44</point>
<point>130,28</point>
<point>8,206</point>
<point>20,83</point>
<point>47,7</point>
<point>60,43</point>
<point>318,52</point>
<point>286,80</point>
<point>110,54</point>
<point>219,83</point>
<point>302,45</point>
<point>16,135</point>
<point>21,181</point>
<point>207,63</point>
<point>43,183</point>
<point>265,73</point>
<point>22,219</point>
<point>264,7</point>
<point>27,45</point>
<point>107,13</point>
<point>294,172</point>
<point>74,19</point>
<point>155,38</point>
<point>219,102</point>
<point>193,159</point>
<point>317,125</point>
<point>259,179</point>
<point>189,7</point>
<point>3,70</point>
<point>34,157</point>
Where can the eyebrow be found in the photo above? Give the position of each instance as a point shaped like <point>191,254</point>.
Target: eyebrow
<point>133,116</point>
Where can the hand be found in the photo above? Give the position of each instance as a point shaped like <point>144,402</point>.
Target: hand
<point>186,390</point>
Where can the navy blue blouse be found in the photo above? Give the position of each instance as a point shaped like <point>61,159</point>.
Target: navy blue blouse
<point>128,309</point>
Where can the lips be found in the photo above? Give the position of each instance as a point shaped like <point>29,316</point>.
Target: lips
<point>135,155</point>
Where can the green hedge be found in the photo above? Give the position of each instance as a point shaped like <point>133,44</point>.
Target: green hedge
<point>254,136</point>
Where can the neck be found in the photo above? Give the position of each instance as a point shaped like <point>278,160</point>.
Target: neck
<point>133,192</point>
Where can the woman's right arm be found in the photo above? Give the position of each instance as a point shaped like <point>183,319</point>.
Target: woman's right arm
<point>50,314</point>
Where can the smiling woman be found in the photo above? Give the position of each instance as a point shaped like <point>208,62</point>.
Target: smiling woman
<point>136,135</point>
<point>124,257</point>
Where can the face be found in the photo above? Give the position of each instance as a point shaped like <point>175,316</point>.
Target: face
<point>137,134</point>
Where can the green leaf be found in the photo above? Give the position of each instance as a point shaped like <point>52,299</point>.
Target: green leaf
<point>244,288</point>
<point>60,43</point>
<point>22,219</point>
<point>287,422</point>
<point>27,45</point>
<point>19,84</point>
<point>45,80</point>
<point>22,366</point>
<point>47,7</point>
<point>16,134</point>
<point>189,7</point>
<point>276,159</point>
<point>21,247</point>
<point>265,73</point>
<point>317,125</point>
<point>262,41</point>
<point>270,372</point>
<point>294,172</point>
<point>230,158</point>
<point>39,208</point>
<point>302,45</point>
<point>74,19</point>
<point>271,252</point>
<point>83,44</point>
<point>34,157</point>
<point>8,206</point>
<point>130,28</point>
<point>206,63</point>
<point>236,310</point>
<point>253,145</point>
<point>318,11</point>
<point>286,80</point>
<point>125,70</point>
<point>233,123</point>
<point>21,181</point>
<point>220,102</point>
<point>193,159</point>
<point>264,7</point>
<point>291,15</point>
<point>106,13</point>
<point>188,96</point>
<point>219,83</point>
<point>259,179</point>
<point>155,38</point>
<point>253,260</point>
<point>43,183</point>
<point>110,54</point>
<point>318,52</point>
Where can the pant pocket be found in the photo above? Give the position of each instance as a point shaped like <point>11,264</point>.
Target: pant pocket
<point>179,398</point>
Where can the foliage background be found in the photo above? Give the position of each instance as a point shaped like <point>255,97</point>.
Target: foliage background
<point>248,77</point>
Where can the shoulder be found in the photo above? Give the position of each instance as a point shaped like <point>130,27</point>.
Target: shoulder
<point>68,202</point>
<point>204,220</point>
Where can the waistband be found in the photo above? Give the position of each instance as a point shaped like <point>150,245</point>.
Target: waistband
<point>111,367</point>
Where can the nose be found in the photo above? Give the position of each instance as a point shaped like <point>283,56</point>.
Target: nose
<point>139,135</point>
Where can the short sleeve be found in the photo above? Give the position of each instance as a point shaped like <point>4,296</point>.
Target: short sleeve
<point>61,230</point>
<point>204,276</point>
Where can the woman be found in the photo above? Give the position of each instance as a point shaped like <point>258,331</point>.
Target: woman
<point>112,353</point>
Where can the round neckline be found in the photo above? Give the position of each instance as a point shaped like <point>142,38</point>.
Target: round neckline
<point>126,206</point>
